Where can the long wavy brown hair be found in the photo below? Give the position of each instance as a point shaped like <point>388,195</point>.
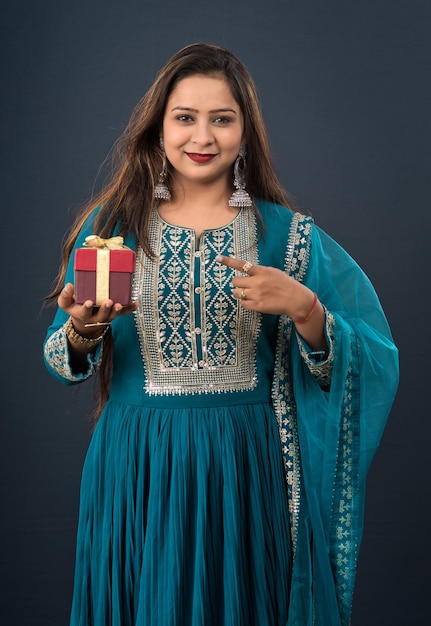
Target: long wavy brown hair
<point>126,200</point>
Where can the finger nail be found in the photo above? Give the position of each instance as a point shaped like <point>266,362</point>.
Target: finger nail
<point>219,258</point>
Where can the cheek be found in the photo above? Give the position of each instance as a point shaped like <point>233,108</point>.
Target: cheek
<point>169,130</point>
<point>234,148</point>
<point>235,140</point>
<point>173,136</point>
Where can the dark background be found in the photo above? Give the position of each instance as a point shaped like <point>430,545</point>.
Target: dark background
<point>345,90</point>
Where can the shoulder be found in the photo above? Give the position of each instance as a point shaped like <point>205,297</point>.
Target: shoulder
<point>282,222</point>
<point>280,216</point>
<point>269,211</point>
<point>87,225</point>
<point>283,230</point>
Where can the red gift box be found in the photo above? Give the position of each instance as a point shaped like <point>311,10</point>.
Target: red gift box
<point>104,271</point>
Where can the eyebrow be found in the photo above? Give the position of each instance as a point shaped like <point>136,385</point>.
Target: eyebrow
<point>181,108</point>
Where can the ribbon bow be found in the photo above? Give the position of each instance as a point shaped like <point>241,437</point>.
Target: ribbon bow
<point>113,243</point>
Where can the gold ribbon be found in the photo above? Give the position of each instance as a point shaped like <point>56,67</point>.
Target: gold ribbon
<point>104,247</point>
<point>113,243</point>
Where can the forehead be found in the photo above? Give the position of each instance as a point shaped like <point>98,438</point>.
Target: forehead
<point>202,92</point>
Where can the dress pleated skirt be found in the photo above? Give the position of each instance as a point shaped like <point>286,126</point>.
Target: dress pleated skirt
<point>183,520</point>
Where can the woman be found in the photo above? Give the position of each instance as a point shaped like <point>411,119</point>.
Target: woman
<point>243,400</point>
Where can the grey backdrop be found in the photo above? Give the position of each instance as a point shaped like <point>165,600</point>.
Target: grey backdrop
<point>346,94</point>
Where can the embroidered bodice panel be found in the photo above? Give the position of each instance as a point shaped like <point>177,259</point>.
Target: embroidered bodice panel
<point>195,337</point>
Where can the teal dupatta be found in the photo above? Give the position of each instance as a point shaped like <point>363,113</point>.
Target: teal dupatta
<point>329,433</point>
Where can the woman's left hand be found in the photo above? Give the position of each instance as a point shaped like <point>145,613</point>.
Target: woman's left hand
<point>269,290</point>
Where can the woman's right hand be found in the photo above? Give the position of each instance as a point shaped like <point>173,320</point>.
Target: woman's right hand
<point>87,313</point>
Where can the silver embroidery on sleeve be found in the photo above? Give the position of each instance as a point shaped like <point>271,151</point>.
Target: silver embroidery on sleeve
<point>285,410</point>
<point>298,247</point>
<point>296,263</point>
<point>194,336</point>
<point>57,356</point>
<point>321,371</point>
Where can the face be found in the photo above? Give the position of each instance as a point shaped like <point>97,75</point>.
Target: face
<point>202,130</point>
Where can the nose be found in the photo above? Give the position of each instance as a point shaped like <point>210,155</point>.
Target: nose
<point>202,134</point>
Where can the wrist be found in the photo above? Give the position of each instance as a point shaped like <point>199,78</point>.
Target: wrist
<point>89,330</point>
<point>83,338</point>
<point>307,313</point>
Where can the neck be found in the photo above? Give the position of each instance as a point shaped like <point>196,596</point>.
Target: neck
<point>198,206</point>
<point>200,194</point>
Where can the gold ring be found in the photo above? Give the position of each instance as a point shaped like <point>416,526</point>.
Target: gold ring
<point>242,295</point>
<point>247,267</point>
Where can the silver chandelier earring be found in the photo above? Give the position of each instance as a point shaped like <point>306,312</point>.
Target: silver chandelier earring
<point>161,191</point>
<point>240,197</point>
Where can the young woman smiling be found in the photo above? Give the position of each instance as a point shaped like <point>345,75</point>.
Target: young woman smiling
<point>242,393</point>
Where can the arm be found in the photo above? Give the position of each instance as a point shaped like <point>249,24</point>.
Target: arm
<point>273,291</point>
<point>73,347</point>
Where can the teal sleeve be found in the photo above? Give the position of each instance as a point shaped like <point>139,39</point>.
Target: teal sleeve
<point>55,348</point>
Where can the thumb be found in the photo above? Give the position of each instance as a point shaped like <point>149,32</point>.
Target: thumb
<point>66,297</point>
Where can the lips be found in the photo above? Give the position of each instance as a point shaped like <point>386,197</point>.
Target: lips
<point>200,158</point>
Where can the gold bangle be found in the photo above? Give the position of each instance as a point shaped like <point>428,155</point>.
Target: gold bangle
<point>78,339</point>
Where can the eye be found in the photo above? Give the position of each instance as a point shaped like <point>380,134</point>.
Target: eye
<point>222,119</point>
<point>184,118</point>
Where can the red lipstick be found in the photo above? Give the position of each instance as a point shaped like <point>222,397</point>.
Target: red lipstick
<point>200,158</point>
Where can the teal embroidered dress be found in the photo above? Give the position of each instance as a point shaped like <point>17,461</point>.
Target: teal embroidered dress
<point>224,482</point>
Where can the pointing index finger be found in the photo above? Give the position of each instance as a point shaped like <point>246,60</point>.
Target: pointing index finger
<point>236,264</point>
